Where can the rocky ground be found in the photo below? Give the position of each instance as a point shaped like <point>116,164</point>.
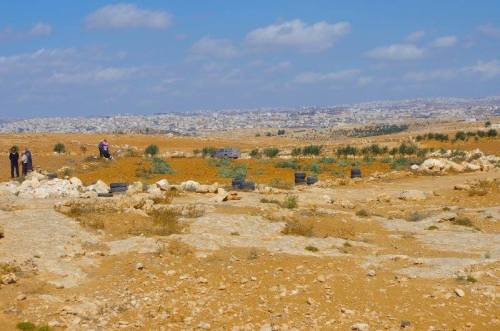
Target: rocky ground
<point>412,251</point>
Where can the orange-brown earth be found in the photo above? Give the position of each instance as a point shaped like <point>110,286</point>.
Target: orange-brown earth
<point>214,276</point>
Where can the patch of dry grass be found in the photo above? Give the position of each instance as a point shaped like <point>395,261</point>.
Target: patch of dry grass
<point>178,248</point>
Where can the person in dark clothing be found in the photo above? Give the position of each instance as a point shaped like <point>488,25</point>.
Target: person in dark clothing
<point>27,161</point>
<point>14,162</point>
<point>104,149</point>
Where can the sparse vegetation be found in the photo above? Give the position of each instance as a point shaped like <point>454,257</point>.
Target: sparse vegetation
<point>229,169</point>
<point>362,213</point>
<point>290,201</point>
<point>208,151</point>
<point>463,221</point>
<point>265,200</point>
<point>292,164</point>
<point>255,153</point>
<point>312,150</point>
<point>151,150</point>
<point>271,152</point>
<point>59,148</point>
<point>416,216</point>
<point>280,184</point>
<point>378,130</point>
<point>312,248</point>
<point>160,166</point>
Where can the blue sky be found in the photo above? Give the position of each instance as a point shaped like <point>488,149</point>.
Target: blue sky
<point>102,57</point>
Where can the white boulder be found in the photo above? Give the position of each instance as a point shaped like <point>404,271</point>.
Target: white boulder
<point>190,186</point>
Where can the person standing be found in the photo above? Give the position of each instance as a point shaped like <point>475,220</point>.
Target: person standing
<point>14,162</point>
<point>24,163</point>
<point>29,166</point>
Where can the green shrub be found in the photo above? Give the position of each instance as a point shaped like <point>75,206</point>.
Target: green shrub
<point>59,148</point>
<point>208,151</point>
<point>460,135</point>
<point>292,164</point>
<point>290,201</point>
<point>151,150</point>
<point>343,163</point>
<point>314,167</point>
<point>296,151</point>
<point>271,152</point>
<point>312,248</point>
<point>159,166</point>
<point>491,133</point>
<point>228,169</point>
<point>281,132</point>
<point>26,326</point>
<point>327,160</point>
<point>255,153</point>
<point>312,150</point>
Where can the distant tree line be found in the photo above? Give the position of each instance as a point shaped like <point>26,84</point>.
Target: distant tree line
<point>459,135</point>
<point>378,130</point>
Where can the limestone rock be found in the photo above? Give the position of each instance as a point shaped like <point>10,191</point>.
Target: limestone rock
<point>360,327</point>
<point>99,187</point>
<point>9,278</point>
<point>163,185</point>
<point>412,195</point>
<point>459,292</point>
<point>190,186</point>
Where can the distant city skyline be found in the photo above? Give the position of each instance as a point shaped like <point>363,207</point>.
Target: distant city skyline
<point>95,58</point>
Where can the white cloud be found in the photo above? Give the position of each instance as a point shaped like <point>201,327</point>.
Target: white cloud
<point>431,75</point>
<point>487,69</point>
<point>397,52</point>
<point>109,74</point>
<point>490,30</point>
<point>281,66</point>
<point>36,61</point>
<point>314,77</point>
<point>308,38</point>
<point>415,36</point>
<point>363,81</point>
<point>127,16</point>
<point>210,47</point>
<point>445,41</point>
<point>41,29</point>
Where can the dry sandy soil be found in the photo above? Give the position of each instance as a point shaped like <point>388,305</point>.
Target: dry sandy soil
<point>347,256</point>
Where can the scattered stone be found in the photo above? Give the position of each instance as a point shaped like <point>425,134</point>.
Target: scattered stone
<point>204,326</point>
<point>21,297</point>
<point>371,273</point>
<point>139,266</point>
<point>163,185</point>
<point>412,195</point>
<point>360,327</point>
<point>321,279</point>
<point>9,278</point>
<point>459,292</point>
<point>405,324</point>
<point>190,186</point>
